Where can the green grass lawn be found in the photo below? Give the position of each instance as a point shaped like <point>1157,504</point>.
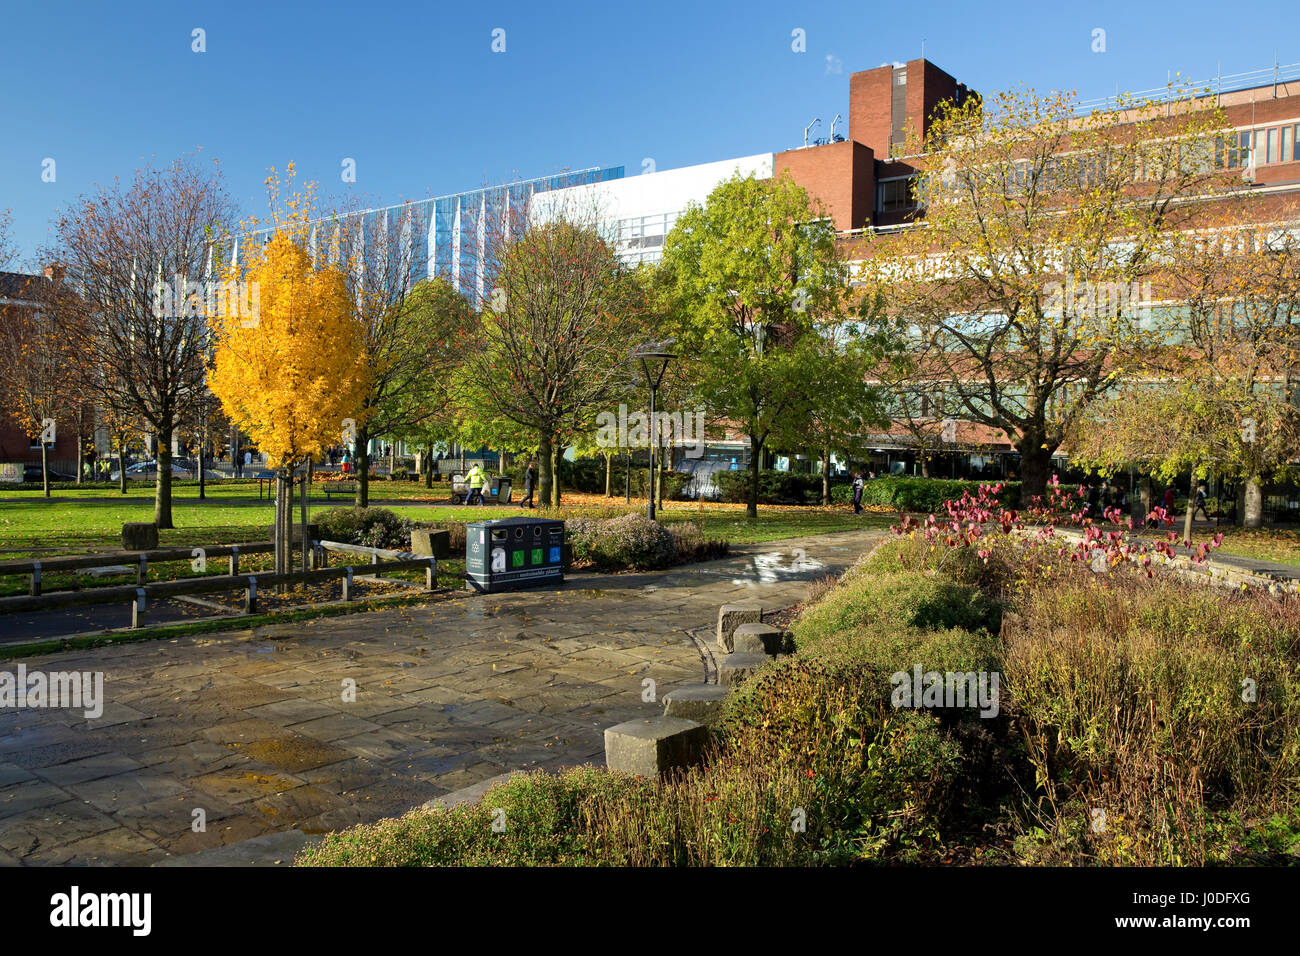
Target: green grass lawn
<point>90,519</point>
<point>1263,544</point>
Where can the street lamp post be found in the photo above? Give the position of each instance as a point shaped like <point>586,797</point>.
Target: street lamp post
<point>654,361</point>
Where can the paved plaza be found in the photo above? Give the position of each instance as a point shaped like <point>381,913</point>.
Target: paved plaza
<point>252,727</point>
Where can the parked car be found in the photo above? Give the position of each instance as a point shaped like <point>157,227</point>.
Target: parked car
<point>32,473</point>
<point>148,471</point>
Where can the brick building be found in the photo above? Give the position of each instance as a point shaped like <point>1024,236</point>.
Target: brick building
<point>20,292</point>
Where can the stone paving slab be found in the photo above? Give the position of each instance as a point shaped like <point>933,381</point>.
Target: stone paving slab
<point>306,727</point>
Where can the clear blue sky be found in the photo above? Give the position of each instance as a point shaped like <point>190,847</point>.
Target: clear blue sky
<point>413,92</point>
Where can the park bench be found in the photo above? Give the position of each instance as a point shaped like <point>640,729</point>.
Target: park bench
<point>348,488</point>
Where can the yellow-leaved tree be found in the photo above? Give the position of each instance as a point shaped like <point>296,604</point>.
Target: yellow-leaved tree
<point>289,366</point>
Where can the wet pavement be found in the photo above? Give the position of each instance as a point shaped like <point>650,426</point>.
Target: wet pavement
<point>322,724</point>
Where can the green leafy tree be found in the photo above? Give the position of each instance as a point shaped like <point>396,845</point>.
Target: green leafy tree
<point>553,341</point>
<point>747,274</point>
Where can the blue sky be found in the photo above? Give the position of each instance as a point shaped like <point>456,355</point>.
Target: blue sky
<point>414,94</point>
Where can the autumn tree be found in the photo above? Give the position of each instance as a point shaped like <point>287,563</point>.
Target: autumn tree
<point>140,256</point>
<point>1040,230</point>
<point>552,342</point>
<point>413,331</point>
<point>421,406</point>
<point>291,375</point>
<point>39,352</point>
<point>1214,386</point>
<point>838,412</point>
<point>6,250</point>
<point>750,271</point>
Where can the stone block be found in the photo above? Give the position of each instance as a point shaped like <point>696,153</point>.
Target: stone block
<point>730,616</point>
<point>295,532</point>
<point>699,702</point>
<point>737,668</point>
<point>433,542</point>
<point>139,536</point>
<point>758,639</point>
<point>654,745</point>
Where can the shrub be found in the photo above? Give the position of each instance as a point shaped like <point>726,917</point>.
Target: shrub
<point>370,527</point>
<point>1133,696</point>
<point>628,542</point>
<point>774,487</point>
<point>691,545</point>
<point>885,603</point>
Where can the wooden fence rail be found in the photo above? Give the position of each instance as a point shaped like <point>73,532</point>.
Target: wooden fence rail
<point>139,595</point>
<point>137,559</point>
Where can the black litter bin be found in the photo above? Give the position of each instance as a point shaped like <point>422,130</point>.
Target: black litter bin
<point>513,553</point>
<point>501,490</point>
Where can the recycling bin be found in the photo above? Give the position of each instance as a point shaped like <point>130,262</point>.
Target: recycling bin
<point>513,553</point>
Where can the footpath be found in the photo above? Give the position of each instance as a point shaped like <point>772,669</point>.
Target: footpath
<point>237,747</point>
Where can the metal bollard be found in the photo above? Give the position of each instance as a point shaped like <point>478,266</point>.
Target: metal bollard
<point>250,597</point>
<point>35,589</point>
<point>347,585</point>
<point>137,607</point>
<point>142,574</point>
<point>234,560</point>
<point>431,574</point>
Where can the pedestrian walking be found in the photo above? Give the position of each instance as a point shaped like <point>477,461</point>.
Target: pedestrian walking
<point>1199,502</point>
<point>859,482</point>
<point>530,482</point>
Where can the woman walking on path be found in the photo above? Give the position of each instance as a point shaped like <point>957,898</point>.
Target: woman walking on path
<point>859,482</point>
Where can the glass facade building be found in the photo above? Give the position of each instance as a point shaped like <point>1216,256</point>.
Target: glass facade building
<point>451,237</point>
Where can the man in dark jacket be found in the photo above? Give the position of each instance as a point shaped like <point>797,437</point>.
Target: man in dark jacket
<point>530,482</point>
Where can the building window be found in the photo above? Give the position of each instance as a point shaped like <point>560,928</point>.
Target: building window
<point>1272,144</point>
<point>893,194</point>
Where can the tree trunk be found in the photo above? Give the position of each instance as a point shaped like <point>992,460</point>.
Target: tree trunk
<point>609,474</point>
<point>362,461</point>
<point>283,524</point>
<point>545,468</point>
<point>302,508</point>
<point>1144,489</point>
<point>45,467</point>
<point>755,453</point>
<point>162,500</point>
<point>925,466</point>
<point>121,464</point>
<point>1035,468</point>
<point>428,468</point>
<point>1191,498</point>
<point>557,452</point>
<point>826,477</point>
<point>81,443</point>
<point>203,442</point>
<point>1253,511</point>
